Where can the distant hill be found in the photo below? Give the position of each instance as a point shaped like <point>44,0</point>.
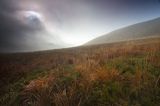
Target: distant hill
<point>141,30</point>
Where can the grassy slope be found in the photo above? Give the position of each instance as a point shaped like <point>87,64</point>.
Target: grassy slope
<point>125,73</point>
<point>140,30</point>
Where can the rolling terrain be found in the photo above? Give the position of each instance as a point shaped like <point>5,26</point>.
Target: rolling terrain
<point>137,31</point>
<point>124,73</point>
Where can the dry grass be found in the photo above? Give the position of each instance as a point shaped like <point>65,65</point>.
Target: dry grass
<point>118,74</point>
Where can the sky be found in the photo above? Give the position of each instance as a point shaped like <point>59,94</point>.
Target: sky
<point>31,25</point>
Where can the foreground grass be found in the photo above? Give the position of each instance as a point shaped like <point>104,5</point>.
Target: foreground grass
<point>122,74</point>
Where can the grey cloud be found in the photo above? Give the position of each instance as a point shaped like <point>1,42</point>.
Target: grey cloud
<point>16,35</point>
<point>73,18</point>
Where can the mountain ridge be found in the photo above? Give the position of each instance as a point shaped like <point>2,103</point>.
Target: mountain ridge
<point>144,29</point>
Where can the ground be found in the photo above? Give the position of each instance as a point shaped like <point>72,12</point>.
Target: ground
<point>116,74</point>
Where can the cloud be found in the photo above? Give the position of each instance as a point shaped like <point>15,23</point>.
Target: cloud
<point>19,32</point>
<point>65,21</point>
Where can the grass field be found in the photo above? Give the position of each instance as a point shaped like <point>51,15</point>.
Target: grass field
<point>116,74</point>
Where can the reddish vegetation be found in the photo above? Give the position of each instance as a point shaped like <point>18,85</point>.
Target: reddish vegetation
<point>71,77</point>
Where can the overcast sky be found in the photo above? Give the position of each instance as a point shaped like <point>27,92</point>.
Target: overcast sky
<point>27,25</point>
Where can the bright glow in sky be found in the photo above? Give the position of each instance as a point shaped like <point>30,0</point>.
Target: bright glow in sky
<point>32,14</point>
<point>65,23</point>
<point>76,22</point>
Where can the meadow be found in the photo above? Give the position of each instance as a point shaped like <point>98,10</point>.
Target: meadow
<point>115,74</point>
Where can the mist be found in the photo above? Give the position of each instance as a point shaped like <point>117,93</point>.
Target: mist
<point>32,25</point>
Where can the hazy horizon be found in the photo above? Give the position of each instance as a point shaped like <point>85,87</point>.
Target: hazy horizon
<point>30,25</point>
